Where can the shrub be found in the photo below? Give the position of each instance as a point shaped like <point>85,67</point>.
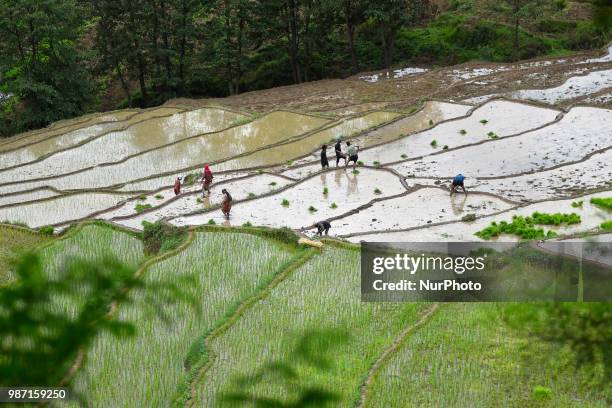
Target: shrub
<point>191,178</point>
<point>433,143</point>
<point>431,122</point>
<point>377,191</point>
<point>355,171</point>
<point>445,147</point>
<point>247,224</point>
<point>541,392</point>
<point>468,218</point>
<point>160,237</point>
<point>492,135</point>
<point>577,204</point>
<point>312,209</point>
<point>48,230</point>
<point>463,132</point>
<point>159,196</point>
<point>199,200</point>
<point>484,121</point>
<point>252,195</point>
<point>605,203</point>
<point>376,163</point>
<point>404,156</point>
<point>607,225</point>
<point>285,202</point>
<point>325,191</point>
<point>141,207</point>
<point>359,163</point>
<point>333,206</point>
<point>272,183</point>
<point>211,222</point>
<point>142,197</point>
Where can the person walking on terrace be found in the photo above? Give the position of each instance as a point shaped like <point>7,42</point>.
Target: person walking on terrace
<point>177,186</point>
<point>226,204</point>
<point>207,178</point>
<point>352,152</point>
<point>458,181</point>
<point>324,162</point>
<point>339,154</point>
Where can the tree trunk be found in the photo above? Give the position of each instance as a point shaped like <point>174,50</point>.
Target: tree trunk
<point>123,83</point>
<point>293,42</point>
<point>350,32</point>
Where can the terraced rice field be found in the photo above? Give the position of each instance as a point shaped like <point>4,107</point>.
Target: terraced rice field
<point>308,301</point>
<point>255,307</point>
<point>146,370</point>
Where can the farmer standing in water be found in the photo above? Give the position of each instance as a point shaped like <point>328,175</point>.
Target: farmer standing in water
<point>207,178</point>
<point>352,151</point>
<point>226,205</point>
<point>458,182</point>
<point>339,154</point>
<point>324,162</point>
<point>177,186</point>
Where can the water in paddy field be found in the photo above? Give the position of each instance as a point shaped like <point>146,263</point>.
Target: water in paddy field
<point>64,127</point>
<point>344,188</point>
<point>591,215</point>
<point>263,131</point>
<point>502,118</point>
<point>144,134</point>
<point>580,132</point>
<point>289,151</point>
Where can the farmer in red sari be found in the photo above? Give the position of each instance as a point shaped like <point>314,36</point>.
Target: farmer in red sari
<point>207,178</point>
<point>177,186</point>
<point>226,205</point>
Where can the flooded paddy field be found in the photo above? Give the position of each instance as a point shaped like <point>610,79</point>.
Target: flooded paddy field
<point>495,119</point>
<point>591,217</point>
<point>146,134</point>
<point>59,209</point>
<point>512,153</point>
<point>580,132</point>
<point>326,195</point>
<point>64,140</point>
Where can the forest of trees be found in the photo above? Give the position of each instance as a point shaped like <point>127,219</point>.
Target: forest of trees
<point>62,58</point>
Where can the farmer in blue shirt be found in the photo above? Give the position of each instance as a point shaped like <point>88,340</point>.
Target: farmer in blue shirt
<point>458,182</point>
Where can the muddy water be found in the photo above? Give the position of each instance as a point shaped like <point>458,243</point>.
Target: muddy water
<point>574,87</point>
<point>239,189</point>
<point>25,197</point>
<point>60,209</point>
<point>289,151</point>
<point>592,217</point>
<point>207,148</point>
<point>409,211</point>
<point>155,183</point>
<point>116,146</point>
<point>347,190</point>
<point>65,127</point>
<point>503,118</point>
<point>433,112</point>
<point>580,132</point>
<point>69,139</point>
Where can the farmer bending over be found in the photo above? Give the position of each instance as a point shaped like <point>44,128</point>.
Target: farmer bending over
<point>458,182</point>
<point>323,226</point>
